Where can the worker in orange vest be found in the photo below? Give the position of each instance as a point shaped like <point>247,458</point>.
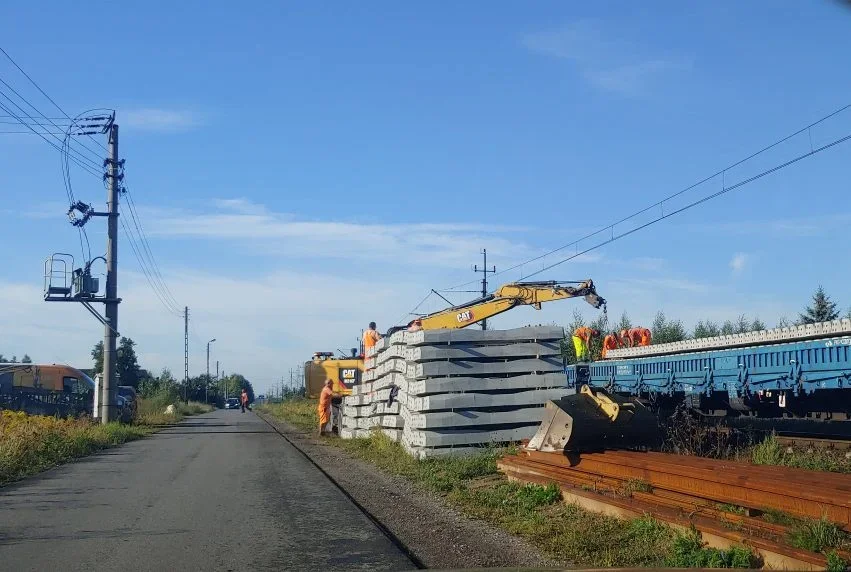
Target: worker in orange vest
<point>370,337</point>
<point>639,337</point>
<point>610,342</point>
<point>324,407</point>
<point>582,342</point>
<point>625,340</point>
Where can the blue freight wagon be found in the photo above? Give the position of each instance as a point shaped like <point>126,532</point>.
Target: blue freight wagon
<point>794,379</point>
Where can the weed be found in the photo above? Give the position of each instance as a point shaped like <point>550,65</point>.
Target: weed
<point>689,551</point>
<point>816,535</point>
<point>30,444</point>
<point>152,410</point>
<point>769,452</point>
<point>299,411</point>
<point>772,452</point>
<point>635,486</point>
<point>778,517</point>
<point>731,508</point>
<point>835,563</point>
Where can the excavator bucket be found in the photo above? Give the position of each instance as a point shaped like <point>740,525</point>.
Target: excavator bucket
<point>593,420</point>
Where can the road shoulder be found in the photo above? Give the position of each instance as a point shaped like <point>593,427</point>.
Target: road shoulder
<point>436,534</point>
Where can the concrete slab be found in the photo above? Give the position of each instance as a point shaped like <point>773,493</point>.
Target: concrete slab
<point>469,368</point>
<point>528,334</point>
<point>460,384</point>
<point>474,400</point>
<point>458,419</point>
<point>393,434</point>
<point>476,352</point>
<point>446,437</point>
<point>395,421</point>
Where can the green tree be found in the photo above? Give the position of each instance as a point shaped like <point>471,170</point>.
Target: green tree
<point>666,331</point>
<point>127,364</point>
<point>623,323</point>
<point>26,359</point>
<point>757,325</point>
<point>706,329</point>
<point>97,357</point>
<point>783,322</point>
<point>822,310</point>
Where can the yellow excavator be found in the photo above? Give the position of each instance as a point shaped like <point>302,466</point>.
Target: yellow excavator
<point>505,298</point>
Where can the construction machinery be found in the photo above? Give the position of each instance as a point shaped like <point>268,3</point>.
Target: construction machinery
<point>344,371</point>
<point>505,298</point>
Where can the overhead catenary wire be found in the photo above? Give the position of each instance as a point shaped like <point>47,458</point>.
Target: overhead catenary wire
<point>661,202</point>
<point>697,202</point>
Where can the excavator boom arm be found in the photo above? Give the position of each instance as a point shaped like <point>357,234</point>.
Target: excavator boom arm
<point>507,297</point>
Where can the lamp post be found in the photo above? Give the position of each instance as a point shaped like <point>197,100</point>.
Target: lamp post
<point>207,381</point>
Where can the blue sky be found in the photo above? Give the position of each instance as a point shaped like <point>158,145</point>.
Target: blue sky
<point>304,168</point>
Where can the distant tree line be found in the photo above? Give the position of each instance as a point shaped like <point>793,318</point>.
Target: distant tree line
<point>664,330</point>
<point>198,388</point>
<point>14,359</point>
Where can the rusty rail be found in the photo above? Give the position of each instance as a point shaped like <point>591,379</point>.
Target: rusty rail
<point>690,491</point>
<point>798,492</point>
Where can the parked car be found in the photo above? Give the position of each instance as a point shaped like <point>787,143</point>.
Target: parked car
<point>125,409</point>
<point>232,403</point>
<point>129,394</point>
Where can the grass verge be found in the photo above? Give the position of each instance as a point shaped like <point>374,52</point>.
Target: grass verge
<point>152,410</point>
<point>30,444</point>
<point>566,532</point>
<point>772,452</point>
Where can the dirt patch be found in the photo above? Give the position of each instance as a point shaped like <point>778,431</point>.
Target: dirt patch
<point>435,533</point>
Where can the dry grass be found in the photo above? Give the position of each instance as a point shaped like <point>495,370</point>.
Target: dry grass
<point>30,444</point>
<point>298,411</point>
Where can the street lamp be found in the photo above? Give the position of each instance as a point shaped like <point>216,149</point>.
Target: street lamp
<point>207,381</point>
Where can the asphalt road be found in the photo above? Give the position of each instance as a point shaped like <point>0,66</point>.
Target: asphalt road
<point>221,491</point>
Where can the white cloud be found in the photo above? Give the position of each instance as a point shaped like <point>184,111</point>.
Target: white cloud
<point>612,65</point>
<point>158,119</point>
<point>739,262</point>
<point>282,234</point>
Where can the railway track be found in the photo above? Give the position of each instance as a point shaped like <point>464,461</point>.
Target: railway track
<point>725,500</point>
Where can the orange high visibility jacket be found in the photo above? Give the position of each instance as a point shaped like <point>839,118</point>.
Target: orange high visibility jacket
<point>369,338</point>
<point>610,342</point>
<point>645,337</point>
<point>584,333</point>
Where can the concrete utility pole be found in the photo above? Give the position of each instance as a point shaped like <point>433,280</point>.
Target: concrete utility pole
<point>110,329</point>
<point>186,353</point>
<point>485,271</point>
<point>207,381</point>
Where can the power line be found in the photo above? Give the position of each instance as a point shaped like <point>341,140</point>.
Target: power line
<point>38,87</point>
<point>146,272</point>
<point>137,221</point>
<point>702,200</point>
<point>27,102</point>
<point>51,143</point>
<point>661,202</point>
